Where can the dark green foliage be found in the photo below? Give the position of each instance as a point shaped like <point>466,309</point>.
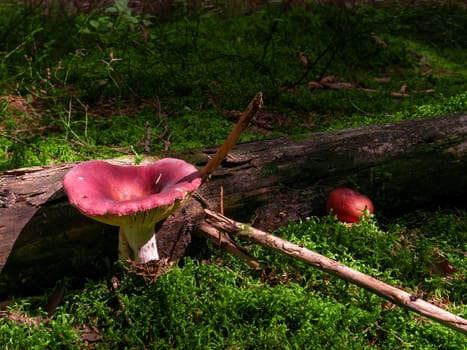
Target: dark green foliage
<point>200,66</point>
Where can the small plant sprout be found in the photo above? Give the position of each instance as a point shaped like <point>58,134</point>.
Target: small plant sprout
<point>135,198</point>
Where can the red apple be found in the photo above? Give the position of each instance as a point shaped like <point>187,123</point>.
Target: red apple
<point>348,204</point>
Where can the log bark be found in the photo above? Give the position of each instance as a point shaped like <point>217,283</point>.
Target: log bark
<point>386,291</point>
<point>401,166</point>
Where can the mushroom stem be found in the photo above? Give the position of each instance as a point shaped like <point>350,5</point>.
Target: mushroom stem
<point>137,243</point>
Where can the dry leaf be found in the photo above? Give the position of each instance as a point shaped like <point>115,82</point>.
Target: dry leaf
<point>329,79</point>
<point>382,80</point>
<point>378,40</point>
<point>90,334</point>
<point>313,85</point>
<point>343,85</point>
<point>441,266</point>
<point>369,90</point>
<point>304,59</point>
<point>398,94</point>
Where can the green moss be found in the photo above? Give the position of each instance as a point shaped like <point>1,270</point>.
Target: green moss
<point>199,66</point>
<point>221,303</point>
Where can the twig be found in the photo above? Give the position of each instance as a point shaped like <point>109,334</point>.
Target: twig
<point>201,200</point>
<point>224,241</point>
<point>358,108</point>
<point>147,137</point>
<point>221,200</point>
<point>305,73</point>
<point>55,299</point>
<point>115,284</point>
<point>15,139</point>
<point>250,111</point>
<point>186,230</point>
<point>162,120</point>
<point>393,294</point>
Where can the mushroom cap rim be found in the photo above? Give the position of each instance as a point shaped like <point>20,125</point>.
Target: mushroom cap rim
<point>98,195</point>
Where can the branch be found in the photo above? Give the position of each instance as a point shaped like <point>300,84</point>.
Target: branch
<point>223,240</point>
<point>15,139</point>
<point>395,295</point>
<point>250,111</point>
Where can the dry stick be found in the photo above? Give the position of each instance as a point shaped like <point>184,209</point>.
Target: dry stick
<point>395,295</point>
<point>250,111</point>
<point>216,236</point>
<point>15,139</point>
<point>221,200</point>
<point>222,240</point>
<point>55,299</point>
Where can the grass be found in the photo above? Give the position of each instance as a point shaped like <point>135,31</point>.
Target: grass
<point>92,85</point>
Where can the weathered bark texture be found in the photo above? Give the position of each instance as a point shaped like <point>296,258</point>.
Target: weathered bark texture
<point>400,166</point>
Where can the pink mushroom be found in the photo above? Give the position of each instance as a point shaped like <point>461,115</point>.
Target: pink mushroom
<point>135,198</point>
<point>348,204</point>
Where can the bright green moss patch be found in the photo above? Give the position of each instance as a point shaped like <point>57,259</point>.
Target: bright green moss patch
<point>221,303</point>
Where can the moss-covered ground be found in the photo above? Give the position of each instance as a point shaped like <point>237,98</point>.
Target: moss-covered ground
<point>78,86</point>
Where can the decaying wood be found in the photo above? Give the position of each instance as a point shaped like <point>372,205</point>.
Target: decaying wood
<point>401,166</point>
<point>393,294</point>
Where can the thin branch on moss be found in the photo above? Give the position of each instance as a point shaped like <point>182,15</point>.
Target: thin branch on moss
<point>15,139</point>
<point>395,295</point>
<point>222,240</point>
<point>306,72</point>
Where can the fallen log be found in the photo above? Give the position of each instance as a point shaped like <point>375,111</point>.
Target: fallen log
<point>401,166</point>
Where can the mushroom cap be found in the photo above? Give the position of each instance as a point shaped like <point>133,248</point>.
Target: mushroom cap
<point>348,204</point>
<point>130,195</point>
